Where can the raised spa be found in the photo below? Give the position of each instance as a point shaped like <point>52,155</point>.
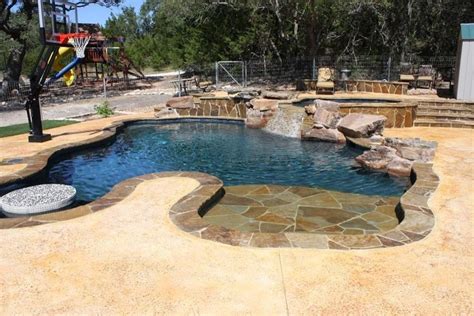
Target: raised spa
<point>229,151</point>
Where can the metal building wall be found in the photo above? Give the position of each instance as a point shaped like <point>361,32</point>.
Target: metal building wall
<point>465,72</point>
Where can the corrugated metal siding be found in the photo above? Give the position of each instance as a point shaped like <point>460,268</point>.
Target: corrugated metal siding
<point>466,72</point>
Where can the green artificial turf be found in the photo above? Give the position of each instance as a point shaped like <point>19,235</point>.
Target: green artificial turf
<point>24,128</point>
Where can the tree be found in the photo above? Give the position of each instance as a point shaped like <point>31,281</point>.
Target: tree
<point>15,21</point>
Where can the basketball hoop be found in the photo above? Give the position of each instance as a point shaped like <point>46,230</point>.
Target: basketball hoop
<point>80,44</point>
<point>78,40</point>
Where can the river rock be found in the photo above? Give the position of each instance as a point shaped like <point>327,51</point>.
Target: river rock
<point>414,149</point>
<point>326,118</point>
<point>362,125</point>
<point>280,95</point>
<point>331,135</point>
<point>264,104</point>
<point>181,103</point>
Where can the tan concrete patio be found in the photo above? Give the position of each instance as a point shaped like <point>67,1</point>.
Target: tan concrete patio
<point>130,258</point>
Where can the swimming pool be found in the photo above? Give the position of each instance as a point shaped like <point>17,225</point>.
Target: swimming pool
<point>230,151</point>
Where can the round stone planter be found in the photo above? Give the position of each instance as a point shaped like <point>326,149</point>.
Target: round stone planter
<point>37,199</point>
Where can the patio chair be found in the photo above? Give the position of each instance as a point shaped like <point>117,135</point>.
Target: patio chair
<point>325,79</point>
<point>425,75</point>
<point>406,73</point>
<point>202,85</point>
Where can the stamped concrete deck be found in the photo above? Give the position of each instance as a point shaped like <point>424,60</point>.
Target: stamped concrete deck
<point>130,258</point>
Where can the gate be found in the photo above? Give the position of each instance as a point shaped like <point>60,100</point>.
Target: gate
<point>231,72</point>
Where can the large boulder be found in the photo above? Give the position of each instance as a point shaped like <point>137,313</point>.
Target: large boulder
<point>327,105</point>
<point>362,125</point>
<point>413,149</point>
<point>255,119</point>
<point>326,118</point>
<point>384,158</point>
<point>324,134</point>
<point>181,103</point>
<point>322,104</point>
<point>377,158</point>
<point>399,167</point>
<point>264,104</point>
<point>310,109</point>
<point>166,112</point>
<point>367,143</point>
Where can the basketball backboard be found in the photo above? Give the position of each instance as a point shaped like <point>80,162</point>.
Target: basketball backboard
<point>62,16</point>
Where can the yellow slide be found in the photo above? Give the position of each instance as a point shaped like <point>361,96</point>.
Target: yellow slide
<point>65,54</point>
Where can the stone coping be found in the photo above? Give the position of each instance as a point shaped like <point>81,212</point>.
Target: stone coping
<point>401,103</point>
<point>188,211</point>
<point>356,104</point>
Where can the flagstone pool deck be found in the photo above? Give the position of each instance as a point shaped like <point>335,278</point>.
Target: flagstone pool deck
<point>131,258</point>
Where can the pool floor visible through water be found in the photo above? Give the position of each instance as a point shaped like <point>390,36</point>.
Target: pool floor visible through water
<point>230,151</point>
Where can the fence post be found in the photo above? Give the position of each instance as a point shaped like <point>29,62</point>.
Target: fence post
<point>217,74</point>
<point>314,69</point>
<point>264,67</point>
<point>389,64</point>
<point>179,83</point>
<point>104,81</point>
<point>245,74</point>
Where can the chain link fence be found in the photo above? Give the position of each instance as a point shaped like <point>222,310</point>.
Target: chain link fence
<point>361,68</point>
<point>260,72</point>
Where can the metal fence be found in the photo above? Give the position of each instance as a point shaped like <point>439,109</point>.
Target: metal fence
<point>263,71</point>
<point>14,94</point>
<point>361,68</point>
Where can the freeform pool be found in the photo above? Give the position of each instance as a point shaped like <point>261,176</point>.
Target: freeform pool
<point>229,151</point>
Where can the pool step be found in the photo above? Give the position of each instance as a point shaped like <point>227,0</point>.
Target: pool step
<point>444,123</point>
<point>445,109</point>
<point>444,115</point>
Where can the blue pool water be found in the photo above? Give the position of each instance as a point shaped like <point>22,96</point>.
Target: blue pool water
<point>231,152</point>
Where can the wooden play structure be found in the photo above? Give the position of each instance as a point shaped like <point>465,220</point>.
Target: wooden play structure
<point>105,58</point>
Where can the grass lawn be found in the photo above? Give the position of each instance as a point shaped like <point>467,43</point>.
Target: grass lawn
<point>24,128</point>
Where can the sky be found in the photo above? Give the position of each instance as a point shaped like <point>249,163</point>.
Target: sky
<point>95,13</point>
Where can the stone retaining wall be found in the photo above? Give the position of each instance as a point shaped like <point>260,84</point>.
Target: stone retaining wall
<point>388,87</point>
<point>216,106</point>
<point>398,115</point>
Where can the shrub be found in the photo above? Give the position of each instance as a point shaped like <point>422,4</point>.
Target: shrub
<point>103,109</point>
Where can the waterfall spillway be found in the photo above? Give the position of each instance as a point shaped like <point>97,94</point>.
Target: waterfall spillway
<point>286,121</point>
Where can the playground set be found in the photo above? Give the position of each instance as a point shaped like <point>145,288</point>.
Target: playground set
<point>68,47</point>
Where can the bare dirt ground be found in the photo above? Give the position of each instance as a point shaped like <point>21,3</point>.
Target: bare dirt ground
<point>142,100</point>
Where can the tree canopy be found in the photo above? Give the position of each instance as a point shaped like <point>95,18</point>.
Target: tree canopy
<point>164,33</point>
<point>181,32</point>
